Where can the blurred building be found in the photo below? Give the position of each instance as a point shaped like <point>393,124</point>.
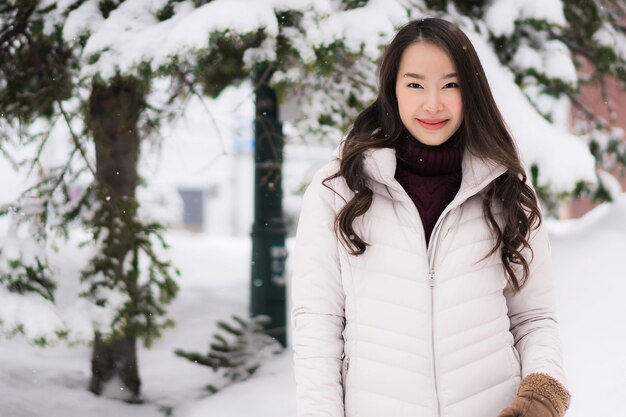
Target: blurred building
<point>593,98</point>
<point>202,176</point>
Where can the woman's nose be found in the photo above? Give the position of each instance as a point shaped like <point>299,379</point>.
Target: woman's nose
<point>432,103</point>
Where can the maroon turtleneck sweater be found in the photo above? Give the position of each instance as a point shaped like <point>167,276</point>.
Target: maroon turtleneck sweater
<point>431,176</point>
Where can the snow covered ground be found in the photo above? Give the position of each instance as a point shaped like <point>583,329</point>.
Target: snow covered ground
<point>51,382</point>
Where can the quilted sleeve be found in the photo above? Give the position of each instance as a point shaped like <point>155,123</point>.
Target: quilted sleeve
<point>532,314</point>
<point>317,312</point>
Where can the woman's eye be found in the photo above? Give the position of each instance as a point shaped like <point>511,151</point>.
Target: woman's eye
<point>414,85</point>
<point>451,85</point>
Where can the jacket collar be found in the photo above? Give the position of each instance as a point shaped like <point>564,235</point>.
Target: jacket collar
<point>380,167</point>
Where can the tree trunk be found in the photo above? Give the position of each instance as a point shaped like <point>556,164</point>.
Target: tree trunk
<point>114,371</point>
<point>114,110</point>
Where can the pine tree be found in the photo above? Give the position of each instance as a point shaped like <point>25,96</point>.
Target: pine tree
<point>40,76</point>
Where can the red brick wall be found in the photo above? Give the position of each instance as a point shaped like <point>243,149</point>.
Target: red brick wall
<point>592,98</point>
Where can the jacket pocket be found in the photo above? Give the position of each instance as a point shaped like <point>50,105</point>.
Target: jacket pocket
<point>344,373</point>
<point>516,362</point>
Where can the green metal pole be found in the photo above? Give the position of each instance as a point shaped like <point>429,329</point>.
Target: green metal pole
<point>267,287</point>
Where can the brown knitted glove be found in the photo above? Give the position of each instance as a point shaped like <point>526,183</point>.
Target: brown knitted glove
<point>539,395</point>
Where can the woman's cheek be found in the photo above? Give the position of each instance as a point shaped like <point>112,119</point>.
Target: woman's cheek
<point>456,104</point>
<point>404,107</point>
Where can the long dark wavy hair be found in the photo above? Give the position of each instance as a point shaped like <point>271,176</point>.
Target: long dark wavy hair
<point>483,133</point>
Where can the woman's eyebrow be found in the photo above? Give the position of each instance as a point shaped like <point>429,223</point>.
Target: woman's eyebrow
<point>421,77</point>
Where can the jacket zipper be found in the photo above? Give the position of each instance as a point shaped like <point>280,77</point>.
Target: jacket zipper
<point>431,251</point>
<point>431,282</point>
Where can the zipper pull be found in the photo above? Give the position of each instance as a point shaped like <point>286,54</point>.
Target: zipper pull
<point>431,278</point>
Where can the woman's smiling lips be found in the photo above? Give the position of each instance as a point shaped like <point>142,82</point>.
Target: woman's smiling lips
<point>432,124</point>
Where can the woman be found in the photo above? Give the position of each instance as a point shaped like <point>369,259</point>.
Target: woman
<point>421,282</point>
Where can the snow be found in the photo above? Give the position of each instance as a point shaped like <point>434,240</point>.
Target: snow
<point>214,285</point>
<point>526,58</point>
<point>550,58</point>
<point>549,10</point>
<point>218,16</point>
<point>319,6</point>
<point>85,18</point>
<point>132,34</point>
<point>554,61</point>
<point>264,53</point>
<point>607,36</point>
<point>365,27</point>
<point>37,316</point>
<point>501,15</point>
<point>558,63</point>
<point>30,312</point>
<point>589,256</point>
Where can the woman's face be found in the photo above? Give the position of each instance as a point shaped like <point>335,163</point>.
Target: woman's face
<point>428,93</point>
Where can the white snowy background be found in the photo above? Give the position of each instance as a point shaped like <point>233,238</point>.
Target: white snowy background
<point>588,253</point>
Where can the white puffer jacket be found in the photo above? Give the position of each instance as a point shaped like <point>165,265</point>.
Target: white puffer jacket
<point>409,331</point>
